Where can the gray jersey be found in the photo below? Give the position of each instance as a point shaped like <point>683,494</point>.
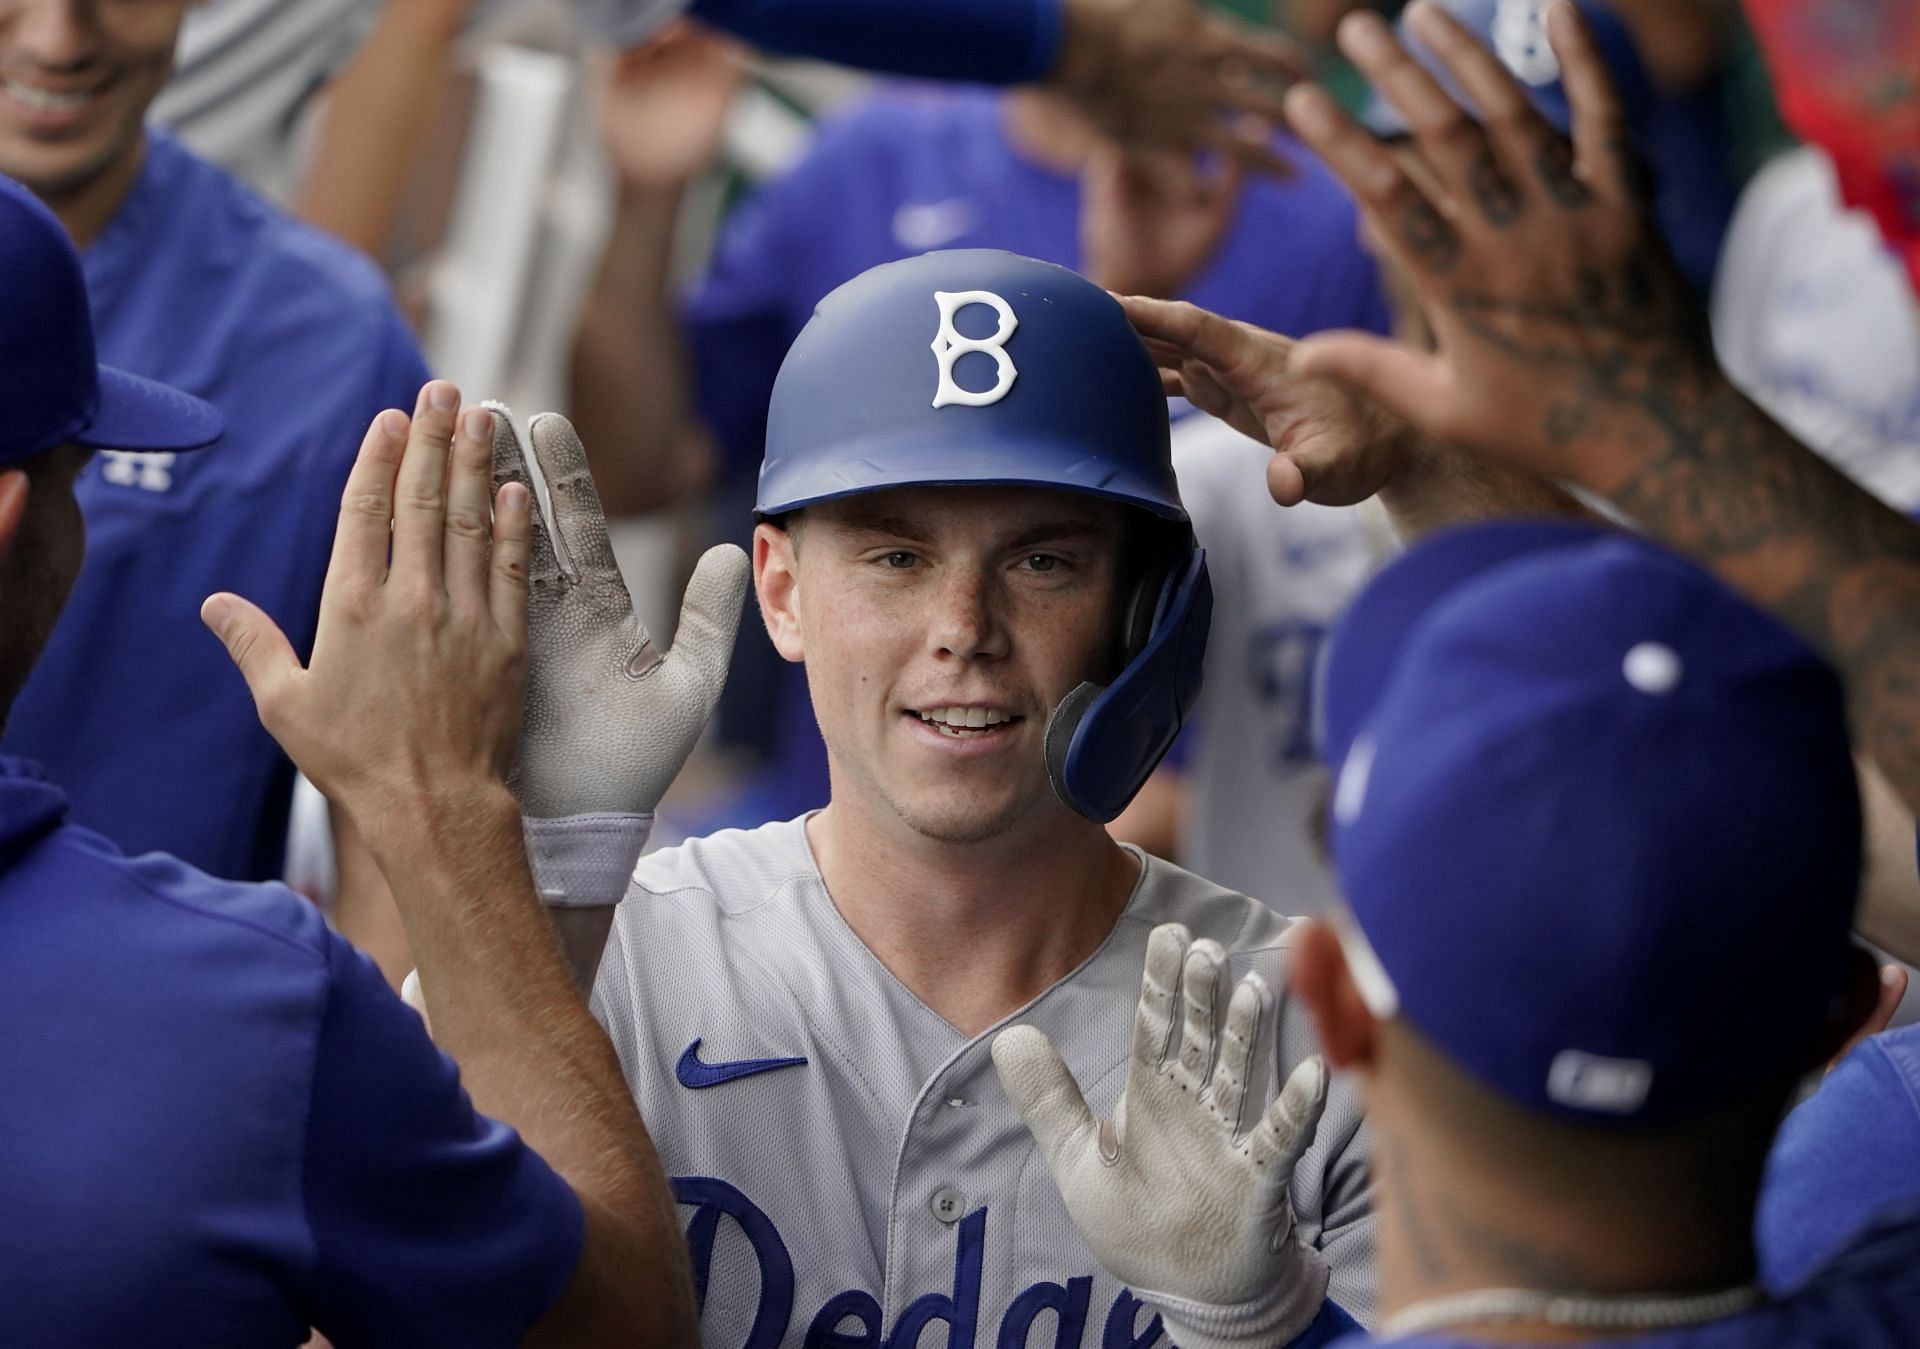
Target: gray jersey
<point>849,1168</point>
<point>1281,578</point>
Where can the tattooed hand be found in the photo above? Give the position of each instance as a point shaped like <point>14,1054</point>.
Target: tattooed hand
<point>1568,344</point>
<point>1549,292</point>
<point>1331,446</point>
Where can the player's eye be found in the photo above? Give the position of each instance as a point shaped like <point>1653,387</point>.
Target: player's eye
<point>1041,562</point>
<point>898,560</point>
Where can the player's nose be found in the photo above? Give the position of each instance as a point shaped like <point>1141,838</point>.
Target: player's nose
<point>963,618</point>
<point>54,37</point>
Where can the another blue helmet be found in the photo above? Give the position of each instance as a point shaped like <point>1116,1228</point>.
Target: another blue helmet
<point>973,367</point>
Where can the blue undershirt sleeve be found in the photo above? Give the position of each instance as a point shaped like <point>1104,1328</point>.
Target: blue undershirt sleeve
<point>981,41</point>
<point>431,1224</point>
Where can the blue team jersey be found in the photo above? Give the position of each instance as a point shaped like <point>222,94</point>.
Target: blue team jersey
<point>223,1128</point>
<point>294,337</point>
<point>1847,1153</point>
<point>1865,1297</point>
<point>903,172</point>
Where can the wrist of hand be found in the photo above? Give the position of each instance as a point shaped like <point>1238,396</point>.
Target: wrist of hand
<point>1276,1317</point>
<point>585,861</point>
<point>454,831</point>
<point>420,823</point>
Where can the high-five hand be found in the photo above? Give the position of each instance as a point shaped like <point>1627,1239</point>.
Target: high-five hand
<point>610,717</point>
<point>1185,1193</point>
<point>1568,345</point>
<point>1177,75</point>
<point>419,663</point>
<point>1558,315</point>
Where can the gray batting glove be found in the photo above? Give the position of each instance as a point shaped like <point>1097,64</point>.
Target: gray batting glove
<point>1185,1194</point>
<point>611,718</point>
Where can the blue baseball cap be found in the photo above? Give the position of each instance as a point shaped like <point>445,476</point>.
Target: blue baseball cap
<point>56,391</point>
<point>1595,821</point>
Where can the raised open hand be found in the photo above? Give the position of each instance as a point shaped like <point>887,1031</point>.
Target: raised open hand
<point>610,718</point>
<point>1177,75</point>
<point>663,104</point>
<point>1186,1193</point>
<point>1561,323</point>
<point>420,657</point>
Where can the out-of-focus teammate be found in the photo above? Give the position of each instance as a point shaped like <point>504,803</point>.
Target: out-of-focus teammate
<point>1566,346</point>
<point>224,1127</point>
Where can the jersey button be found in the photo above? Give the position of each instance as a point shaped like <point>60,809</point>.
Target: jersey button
<point>948,1204</point>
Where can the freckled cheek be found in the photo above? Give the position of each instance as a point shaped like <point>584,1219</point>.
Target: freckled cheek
<point>1069,640</point>
<point>856,648</point>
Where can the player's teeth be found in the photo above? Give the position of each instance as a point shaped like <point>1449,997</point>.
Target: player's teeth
<point>976,716</point>
<point>45,99</point>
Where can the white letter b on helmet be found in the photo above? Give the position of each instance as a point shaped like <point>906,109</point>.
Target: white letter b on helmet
<point>949,345</point>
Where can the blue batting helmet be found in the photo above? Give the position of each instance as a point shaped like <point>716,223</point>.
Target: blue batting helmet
<point>973,367</point>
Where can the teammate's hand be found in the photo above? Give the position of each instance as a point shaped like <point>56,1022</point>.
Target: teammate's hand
<point>1556,309</point>
<point>1150,223</point>
<point>419,662</point>
<point>1331,447</point>
<point>664,104</point>
<point>610,718</point>
<point>1185,1194</point>
<point>1177,75</point>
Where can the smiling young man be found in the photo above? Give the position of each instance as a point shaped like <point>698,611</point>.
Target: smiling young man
<point>193,281</point>
<point>971,537</point>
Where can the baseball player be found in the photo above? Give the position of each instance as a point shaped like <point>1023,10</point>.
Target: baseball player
<point>970,535</point>
<point>222,1127</point>
<point>1587,797</point>
<point>1567,347</point>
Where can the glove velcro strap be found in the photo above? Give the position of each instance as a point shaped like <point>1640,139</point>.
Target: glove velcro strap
<point>585,861</point>
<point>1276,1318</point>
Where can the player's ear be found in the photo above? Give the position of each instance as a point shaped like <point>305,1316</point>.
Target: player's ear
<point>14,491</point>
<point>1319,976</point>
<point>776,580</point>
<point>1862,993</point>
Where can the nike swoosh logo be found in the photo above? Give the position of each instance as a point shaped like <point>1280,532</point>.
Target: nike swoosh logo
<point>695,1075</point>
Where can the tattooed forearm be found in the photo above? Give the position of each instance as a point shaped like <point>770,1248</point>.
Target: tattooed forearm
<point>1779,523</point>
<point>1648,419</point>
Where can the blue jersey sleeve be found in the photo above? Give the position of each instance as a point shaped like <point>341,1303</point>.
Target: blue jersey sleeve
<point>985,41</point>
<point>1849,1151</point>
<point>431,1224</point>
<point>401,371</point>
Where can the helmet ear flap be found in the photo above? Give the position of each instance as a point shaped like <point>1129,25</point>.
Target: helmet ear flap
<point>1061,726</point>
<point>1104,739</point>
